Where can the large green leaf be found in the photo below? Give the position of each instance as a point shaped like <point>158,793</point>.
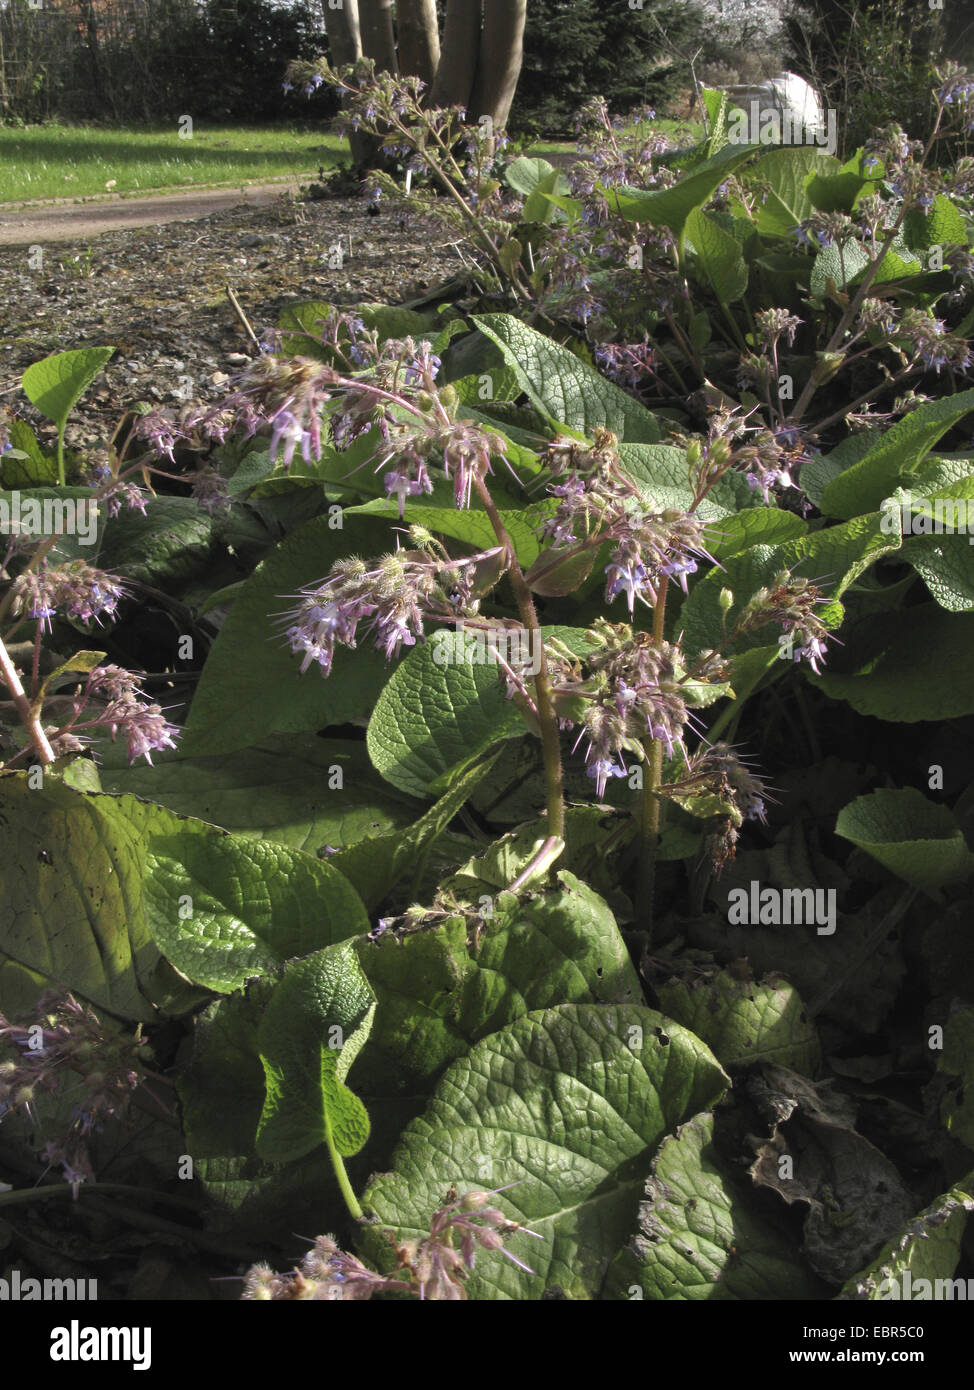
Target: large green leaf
<point>942,225</point>
<point>470,527</point>
<point>251,684</point>
<point>567,1103</point>
<point>832,558</point>
<point>718,256</point>
<point>670,207</point>
<point>662,474</point>
<point>298,321</point>
<point>312,794</point>
<point>701,1239</point>
<point>945,563</point>
<point>894,456</point>
<point>524,174</point>
<point>745,1022</point>
<point>757,526</point>
<point>927,1250</point>
<point>438,712</point>
<point>312,1030</point>
<point>447,984</point>
<point>563,387</point>
<point>175,541</point>
<point>906,666</point>
<point>784,174</point>
<point>71,911</point>
<point>376,865</point>
<point>225,909</point>
<point>915,838</point>
<point>56,383</point>
<point>840,264</point>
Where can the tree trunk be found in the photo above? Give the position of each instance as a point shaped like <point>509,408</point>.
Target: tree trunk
<point>345,44</point>
<point>378,35</point>
<point>458,57</point>
<point>344,34</point>
<point>419,39</point>
<point>499,60</point>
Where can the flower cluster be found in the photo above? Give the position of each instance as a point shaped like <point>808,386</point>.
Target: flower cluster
<point>719,786</point>
<point>790,603</point>
<point>67,1040</point>
<point>634,692</point>
<point>84,594</point>
<point>395,593</point>
<point>113,699</point>
<point>436,1267</point>
<point>597,502</point>
<point>717,769</point>
<point>926,341</point>
<point>631,365</point>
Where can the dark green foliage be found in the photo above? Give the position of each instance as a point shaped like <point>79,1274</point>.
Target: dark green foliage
<point>576,49</point>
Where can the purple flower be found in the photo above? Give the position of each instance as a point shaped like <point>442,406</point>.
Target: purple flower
<point>602,769</point>
<point>399,484</point>
<point>289,430</point>
<point>813,652</point>
<point>628,579</point>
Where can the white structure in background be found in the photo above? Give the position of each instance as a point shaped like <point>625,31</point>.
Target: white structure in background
<point>785,110</point>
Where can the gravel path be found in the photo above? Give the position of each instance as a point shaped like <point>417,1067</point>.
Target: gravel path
<point>158,294</point>
<point>60,220</point>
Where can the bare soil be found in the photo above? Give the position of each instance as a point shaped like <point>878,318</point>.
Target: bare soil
<point>158,292</point>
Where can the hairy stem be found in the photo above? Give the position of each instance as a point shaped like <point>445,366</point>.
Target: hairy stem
<point>651,807</point>
<point>547,719</point>
<point>29,717</point>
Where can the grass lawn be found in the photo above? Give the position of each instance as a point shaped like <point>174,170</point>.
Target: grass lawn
<point>58,161</point>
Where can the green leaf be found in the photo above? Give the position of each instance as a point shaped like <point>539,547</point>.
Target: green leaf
<point>832,558</point>
<point>838,192</point>
<point>27,465</point>
<point>758,526</point>
<point>71,876</point>
<point>662,474</point>
<point>670,207</point>
<point>439,712</point>
<point>391,321</point>
<point>563,388</point>
<point>568,1103</point>
<point>312,1030</point>
<point>55,384</point>
<point>541,206</point>
<point>946,566</point>
<point>941,226</point>
<point>251,684</point>
<point>785,173</point>
<point>928,1249</point>
<point>838,264</point>
<point>911,836</point>
<point>170,545</point>
<point>309,793</point>
<point>225,909</point>
<point>375,866</point>
<point>718,256</point>
<point>894,456</point>
<point>956,1062</point>
<point>717,104</point>
<point>701,1239</point>
<point>469,526</point>
<point>745,1022</point>
<point>525,174</point>
<point>911,665</point>
<point>446,984</point>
